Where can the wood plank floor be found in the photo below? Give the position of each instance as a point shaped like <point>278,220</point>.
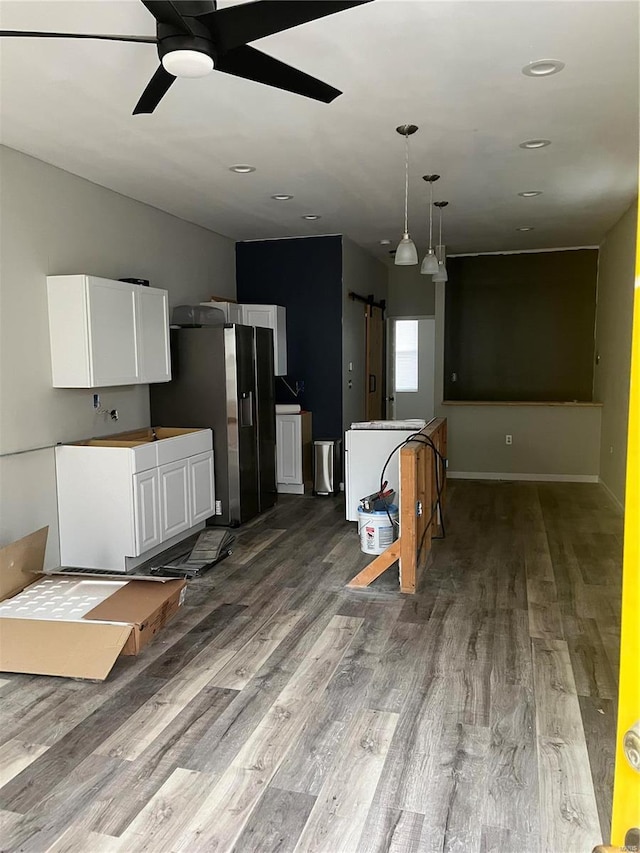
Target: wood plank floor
<point>281,712</point>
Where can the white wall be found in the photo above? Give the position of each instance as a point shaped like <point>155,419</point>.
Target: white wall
<point>616,270</point>
<point>363,274</point>
<point>52,223</point>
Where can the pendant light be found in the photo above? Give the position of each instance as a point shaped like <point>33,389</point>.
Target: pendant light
<point>430,262</point>
<point>406,253</point>
<point>441,275</point>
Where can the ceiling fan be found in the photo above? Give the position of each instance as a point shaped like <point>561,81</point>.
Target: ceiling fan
<point>194,37</point>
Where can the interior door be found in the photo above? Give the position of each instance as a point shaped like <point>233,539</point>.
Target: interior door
<point>411,368</point>
<point>374,363</point>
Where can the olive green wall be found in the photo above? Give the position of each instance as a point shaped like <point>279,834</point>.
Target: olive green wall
<point>613,345</point>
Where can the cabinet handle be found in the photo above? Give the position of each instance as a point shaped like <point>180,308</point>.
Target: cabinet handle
<point>372,383</point>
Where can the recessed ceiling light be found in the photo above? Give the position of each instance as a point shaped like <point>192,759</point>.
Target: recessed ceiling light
<point>242,169</point>
<point>525,228</point>
<point>535,143</point>
<point>530,193</point>
<point>385,242</point>
<point>543,67</point>
<point>310,217</point>
<point>281,197</point>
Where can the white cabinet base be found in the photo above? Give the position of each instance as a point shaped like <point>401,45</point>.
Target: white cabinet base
<point>293,453</point>
<point>124,499</point>
<point>132,563</point>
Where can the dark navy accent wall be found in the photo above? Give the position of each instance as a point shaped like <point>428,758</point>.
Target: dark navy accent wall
<point>305,276</point>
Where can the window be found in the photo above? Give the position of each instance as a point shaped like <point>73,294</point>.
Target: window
<point>405,355</point>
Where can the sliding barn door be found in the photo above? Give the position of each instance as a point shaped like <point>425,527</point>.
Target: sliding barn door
<point>374,364</point>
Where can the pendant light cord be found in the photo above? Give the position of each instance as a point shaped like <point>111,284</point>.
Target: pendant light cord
<point>440,237</point>
<point>406,184</point>
<point>430,215</point>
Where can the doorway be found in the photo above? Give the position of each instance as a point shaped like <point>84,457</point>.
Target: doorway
<point>374,367</point>
<point>411,368</point>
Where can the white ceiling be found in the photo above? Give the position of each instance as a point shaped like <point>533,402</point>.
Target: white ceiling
<point>453,68</point>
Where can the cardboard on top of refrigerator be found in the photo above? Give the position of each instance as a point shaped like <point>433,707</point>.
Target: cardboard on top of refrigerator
<point>70,625</point>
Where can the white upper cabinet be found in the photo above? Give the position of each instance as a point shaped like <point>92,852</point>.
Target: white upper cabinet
<point>107,332</point>
<point>271,317</point>
<point>153,334</point>
<point>112,344</point>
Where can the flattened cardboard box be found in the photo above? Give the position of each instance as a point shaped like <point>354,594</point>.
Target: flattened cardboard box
<point>87,647</point>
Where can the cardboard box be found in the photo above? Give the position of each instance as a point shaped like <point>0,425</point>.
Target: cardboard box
<point>71,625</point>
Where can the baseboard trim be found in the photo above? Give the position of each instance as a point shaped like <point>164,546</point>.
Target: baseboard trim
<point>290,488</point>
<point>616,501</point>
<point>535,478</point>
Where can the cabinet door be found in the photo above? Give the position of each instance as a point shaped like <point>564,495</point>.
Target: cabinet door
<point>153,334</point>
<point>113,348</point>
<point>146,510</point>
<point>288,449</point>
<point>174,498</point>
<point>201,487</point>
<point>259,315</point>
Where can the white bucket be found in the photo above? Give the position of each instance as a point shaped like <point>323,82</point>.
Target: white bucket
<point>375,529</point>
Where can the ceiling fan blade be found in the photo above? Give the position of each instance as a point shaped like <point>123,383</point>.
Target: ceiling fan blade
<point>247,22</point>
<point>168,12</point>
<point>195,8</point>
<point>33,34</point>
<point>156,90</point>
<point>252,64</point>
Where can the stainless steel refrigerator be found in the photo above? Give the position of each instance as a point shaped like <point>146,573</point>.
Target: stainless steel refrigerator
<point>223,378</point>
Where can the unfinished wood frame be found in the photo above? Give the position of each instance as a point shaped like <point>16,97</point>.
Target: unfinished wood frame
<point>418,509</point>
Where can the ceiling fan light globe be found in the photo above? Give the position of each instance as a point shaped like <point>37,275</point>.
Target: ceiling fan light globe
<point>429,264</point>
<point>187,63</point>
<point>406,253</point>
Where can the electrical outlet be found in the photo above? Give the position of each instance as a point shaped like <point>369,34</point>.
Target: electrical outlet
<point>96,401</point>
<point>611,449</point>
<point>508,439</point>
<point>454,377</point>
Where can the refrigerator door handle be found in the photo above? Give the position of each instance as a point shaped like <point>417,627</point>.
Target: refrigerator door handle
<point>246,408</point>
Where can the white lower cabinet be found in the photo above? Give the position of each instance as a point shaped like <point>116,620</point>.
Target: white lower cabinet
<point>174,498</point>
<point>121,499</point>
<point>146,509</point>
<point>293,452</point>
<point>289,449</point>
<point>202,496</point>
